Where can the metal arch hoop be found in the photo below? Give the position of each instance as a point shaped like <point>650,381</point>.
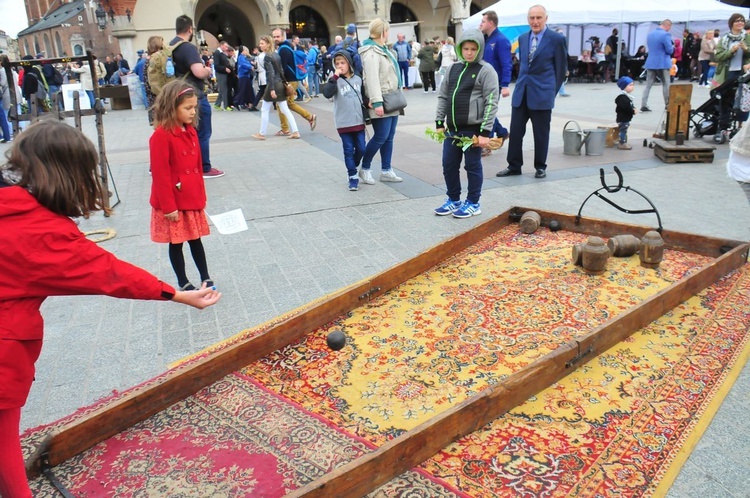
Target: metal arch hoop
<point>616,188</point>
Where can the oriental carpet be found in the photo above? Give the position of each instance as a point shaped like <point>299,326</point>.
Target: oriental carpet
<point>617,425</point>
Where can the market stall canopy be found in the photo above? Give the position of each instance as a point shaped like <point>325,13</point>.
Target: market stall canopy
<point>580,12</point>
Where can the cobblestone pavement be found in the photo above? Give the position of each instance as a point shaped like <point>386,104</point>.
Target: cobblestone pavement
<point>309,236</point>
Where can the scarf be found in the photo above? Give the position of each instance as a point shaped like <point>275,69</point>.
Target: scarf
<point>388,53</point>
<point>730,38</point>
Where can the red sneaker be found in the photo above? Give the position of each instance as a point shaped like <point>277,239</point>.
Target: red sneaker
<point>213,173</point>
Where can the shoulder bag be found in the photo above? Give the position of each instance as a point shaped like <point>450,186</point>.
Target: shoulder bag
<point>289,90</point>
<point>365,113</point>
<point>394,101</point>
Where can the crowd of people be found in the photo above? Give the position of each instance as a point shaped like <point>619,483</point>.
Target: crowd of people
<point>50,175</point>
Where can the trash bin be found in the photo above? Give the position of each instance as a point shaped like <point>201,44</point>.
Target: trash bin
<point>572,140</point>
<point>595,142</point>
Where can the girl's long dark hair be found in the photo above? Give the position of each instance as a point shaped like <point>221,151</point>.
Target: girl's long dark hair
<point>57,164</point>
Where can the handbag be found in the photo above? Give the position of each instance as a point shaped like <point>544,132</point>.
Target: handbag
<point>742,99</point>
<point>394,101</point>
<point>289,90</point>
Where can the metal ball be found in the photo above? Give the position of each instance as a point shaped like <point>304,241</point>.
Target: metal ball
<point>554,226</point>
<point>336,340</point>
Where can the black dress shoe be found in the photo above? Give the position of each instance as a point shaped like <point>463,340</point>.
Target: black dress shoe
<point>540,173</point>
<point>507,172</point>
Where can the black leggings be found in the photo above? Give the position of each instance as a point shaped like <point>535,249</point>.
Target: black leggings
<point>428,79</point>
<point>178,260</point>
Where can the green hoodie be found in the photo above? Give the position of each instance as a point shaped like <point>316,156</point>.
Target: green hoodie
<point>468,97</point>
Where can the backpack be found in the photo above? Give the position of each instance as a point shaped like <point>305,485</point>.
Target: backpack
<point>157,74</point>
<point>352,49</point>
<point>57,77</point>
<point>300,63</point>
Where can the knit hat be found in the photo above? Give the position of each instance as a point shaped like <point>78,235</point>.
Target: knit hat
<point>351,29</point>
<point>623,82</point>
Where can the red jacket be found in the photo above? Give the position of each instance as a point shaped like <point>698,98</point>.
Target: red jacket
<point>176,171</point>
<point>45,254</point>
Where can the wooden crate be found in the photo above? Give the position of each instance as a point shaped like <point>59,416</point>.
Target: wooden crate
<point>692,151</point>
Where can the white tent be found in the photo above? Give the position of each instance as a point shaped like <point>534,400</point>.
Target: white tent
<point>581,12</point>
<point>581,19</point>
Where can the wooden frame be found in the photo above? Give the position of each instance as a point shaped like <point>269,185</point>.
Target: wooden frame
<point>76,113</point>
<point>366,473</point>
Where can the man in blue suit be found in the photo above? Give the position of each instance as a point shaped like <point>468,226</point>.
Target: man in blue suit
<point>543,55</point>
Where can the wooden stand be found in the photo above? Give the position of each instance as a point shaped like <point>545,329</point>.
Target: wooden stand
<point>692,151</point>
<point>119,96</point>
<point>34,113</point>
<point>613,132</point>
<point>678,110</point>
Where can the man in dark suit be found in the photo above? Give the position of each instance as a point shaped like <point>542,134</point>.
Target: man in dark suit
<point>543,56</point>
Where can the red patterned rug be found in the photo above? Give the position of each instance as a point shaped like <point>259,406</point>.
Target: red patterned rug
<point>618,424</point>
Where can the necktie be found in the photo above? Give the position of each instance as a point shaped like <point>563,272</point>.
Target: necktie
<point>534,42</point>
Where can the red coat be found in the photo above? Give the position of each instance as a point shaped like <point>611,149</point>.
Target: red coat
<point>45,254</point>
<point>176,161</point>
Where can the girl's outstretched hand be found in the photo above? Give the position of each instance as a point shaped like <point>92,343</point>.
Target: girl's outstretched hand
<point>199,298</point>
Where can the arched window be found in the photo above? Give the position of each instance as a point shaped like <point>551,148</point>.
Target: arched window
<point>77,50</point>
<point>228,23</point>
<point>58,45</point>
<point>37,48</point>
<point>307,23</point>
<point>47,46</point>
<point>402,13</point>
<point>26,49</point>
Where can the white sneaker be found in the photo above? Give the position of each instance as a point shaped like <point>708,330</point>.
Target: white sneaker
<point>390,176</point>
<point>366,177</point>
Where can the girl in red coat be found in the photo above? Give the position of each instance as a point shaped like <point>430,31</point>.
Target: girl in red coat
<point>51,175</point>
<point>178,195</point>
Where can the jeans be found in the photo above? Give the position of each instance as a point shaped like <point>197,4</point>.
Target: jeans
<point>452,154</point>
<point>498,130</point>
<point>204,130</point>
<point>704,72</point>
<point>92,99</point>
<point>650,79</point>
<point>53,91</point>
<point>5,127</point>
<point>623,127</point>
<point>354,148</point>
<point>383,130</point>
<point>222,100</point>
<point>313,82</point>
<point>404,65</point>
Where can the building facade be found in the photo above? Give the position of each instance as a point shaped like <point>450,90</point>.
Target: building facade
<point>63,28</point>
<point>131,22</point>
<point>8,46</point>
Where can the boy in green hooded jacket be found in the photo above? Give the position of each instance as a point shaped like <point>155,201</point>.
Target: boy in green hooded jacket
<point>467,105</point>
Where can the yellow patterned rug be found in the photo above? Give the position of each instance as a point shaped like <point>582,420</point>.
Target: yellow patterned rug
<point>618,425</point>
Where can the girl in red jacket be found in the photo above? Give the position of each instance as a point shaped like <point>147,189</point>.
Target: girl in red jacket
<point>178,195</point>
<point>51,175</point>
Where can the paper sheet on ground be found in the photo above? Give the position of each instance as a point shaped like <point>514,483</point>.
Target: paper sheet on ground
<point>229,222</point>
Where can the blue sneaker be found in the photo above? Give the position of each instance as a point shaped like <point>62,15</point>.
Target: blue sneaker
<point>353,183</point>
<point>448,207</point>
<point>467,210</point>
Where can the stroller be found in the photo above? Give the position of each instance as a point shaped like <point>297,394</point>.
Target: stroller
<point>705,119</point>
